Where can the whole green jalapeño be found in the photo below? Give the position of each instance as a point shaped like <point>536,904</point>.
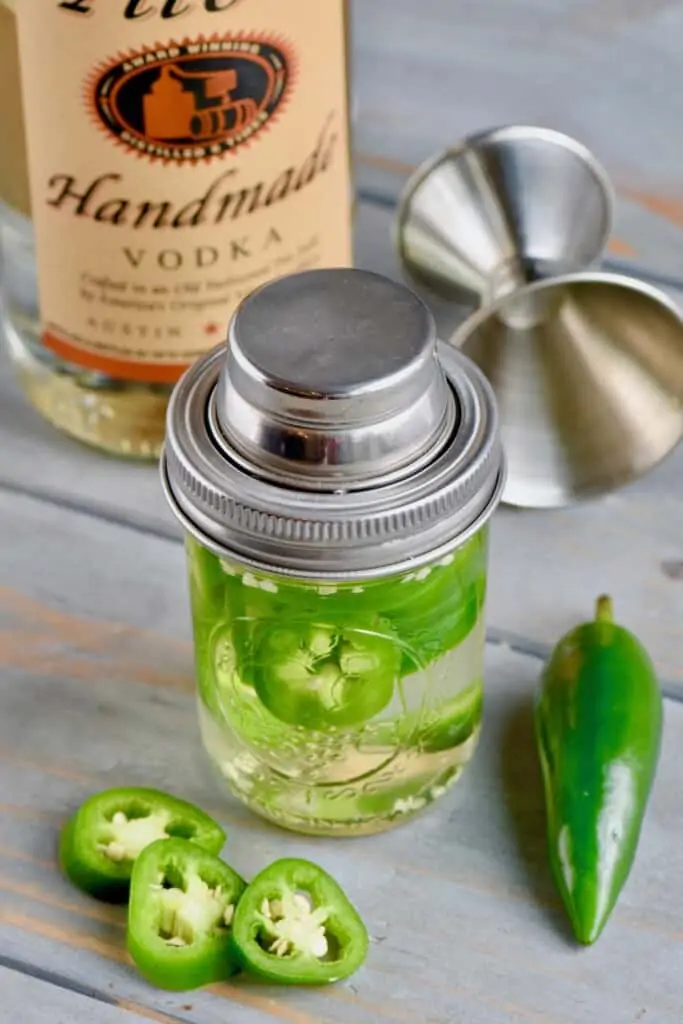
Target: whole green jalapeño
<point>335,471</point>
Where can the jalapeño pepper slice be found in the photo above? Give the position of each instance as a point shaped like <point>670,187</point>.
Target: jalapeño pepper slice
<point>182,903</point>
<point>100,843</point>
<point>452,722</point>
<point>208,582</point>
<point>232,698</point>
<point>295,925</point>
<point>445,725</point>
<point>433,608</point>
<point>319,676</point>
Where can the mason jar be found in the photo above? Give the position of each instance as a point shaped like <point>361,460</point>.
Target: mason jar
<point>335,468</point>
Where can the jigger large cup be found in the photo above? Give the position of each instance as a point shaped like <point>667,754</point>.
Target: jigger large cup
<point>587,370</point>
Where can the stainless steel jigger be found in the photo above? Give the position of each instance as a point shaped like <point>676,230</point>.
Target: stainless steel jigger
<point>587,367</point>
<point>503,209</point>
<point>588,374</point>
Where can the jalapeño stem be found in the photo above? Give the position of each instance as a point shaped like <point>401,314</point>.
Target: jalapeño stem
<point>604,611</point>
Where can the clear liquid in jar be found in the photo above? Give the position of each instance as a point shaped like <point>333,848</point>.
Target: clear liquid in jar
<point>343,768</point>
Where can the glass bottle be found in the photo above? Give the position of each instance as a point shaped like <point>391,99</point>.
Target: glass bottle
<point>167,158</point>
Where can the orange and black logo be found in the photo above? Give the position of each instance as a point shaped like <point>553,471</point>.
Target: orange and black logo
<point>193,100</point>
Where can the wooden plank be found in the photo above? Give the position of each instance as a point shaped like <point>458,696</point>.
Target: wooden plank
<point>33,1001</point>
<point>96,690</point>
<point>604,71</point>
<point>546,567</point>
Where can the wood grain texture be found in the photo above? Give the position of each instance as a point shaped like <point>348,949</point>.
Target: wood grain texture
<point>96,683</point>
<point>96,691</point>
<point>546,567</point>
<point>605,71</point>
<point>29,1000</point>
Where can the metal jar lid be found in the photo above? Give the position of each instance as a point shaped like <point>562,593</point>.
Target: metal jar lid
<point>333,436</point>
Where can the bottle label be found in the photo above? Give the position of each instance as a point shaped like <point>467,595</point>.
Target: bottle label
<point>181,153</point>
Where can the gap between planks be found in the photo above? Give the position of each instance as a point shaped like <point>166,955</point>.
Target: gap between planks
<point>495,636</point>
<point>235,993</point>
<point>68,985</point>
<point>229,991</point>
<point>111,915</point>
<point>116,954</point>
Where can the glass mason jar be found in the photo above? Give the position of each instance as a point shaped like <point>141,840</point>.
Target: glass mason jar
<point>340,707</point>
<point>336,490</point>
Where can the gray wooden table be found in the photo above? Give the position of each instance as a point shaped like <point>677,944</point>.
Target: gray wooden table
<point>96,690</point>
<point>96,662</point>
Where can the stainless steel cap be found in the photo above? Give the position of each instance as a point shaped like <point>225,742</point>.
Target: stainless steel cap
<point>504,208</point>
<point>588,373</point>
<point>333,436</point>
<point>331,380</point>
